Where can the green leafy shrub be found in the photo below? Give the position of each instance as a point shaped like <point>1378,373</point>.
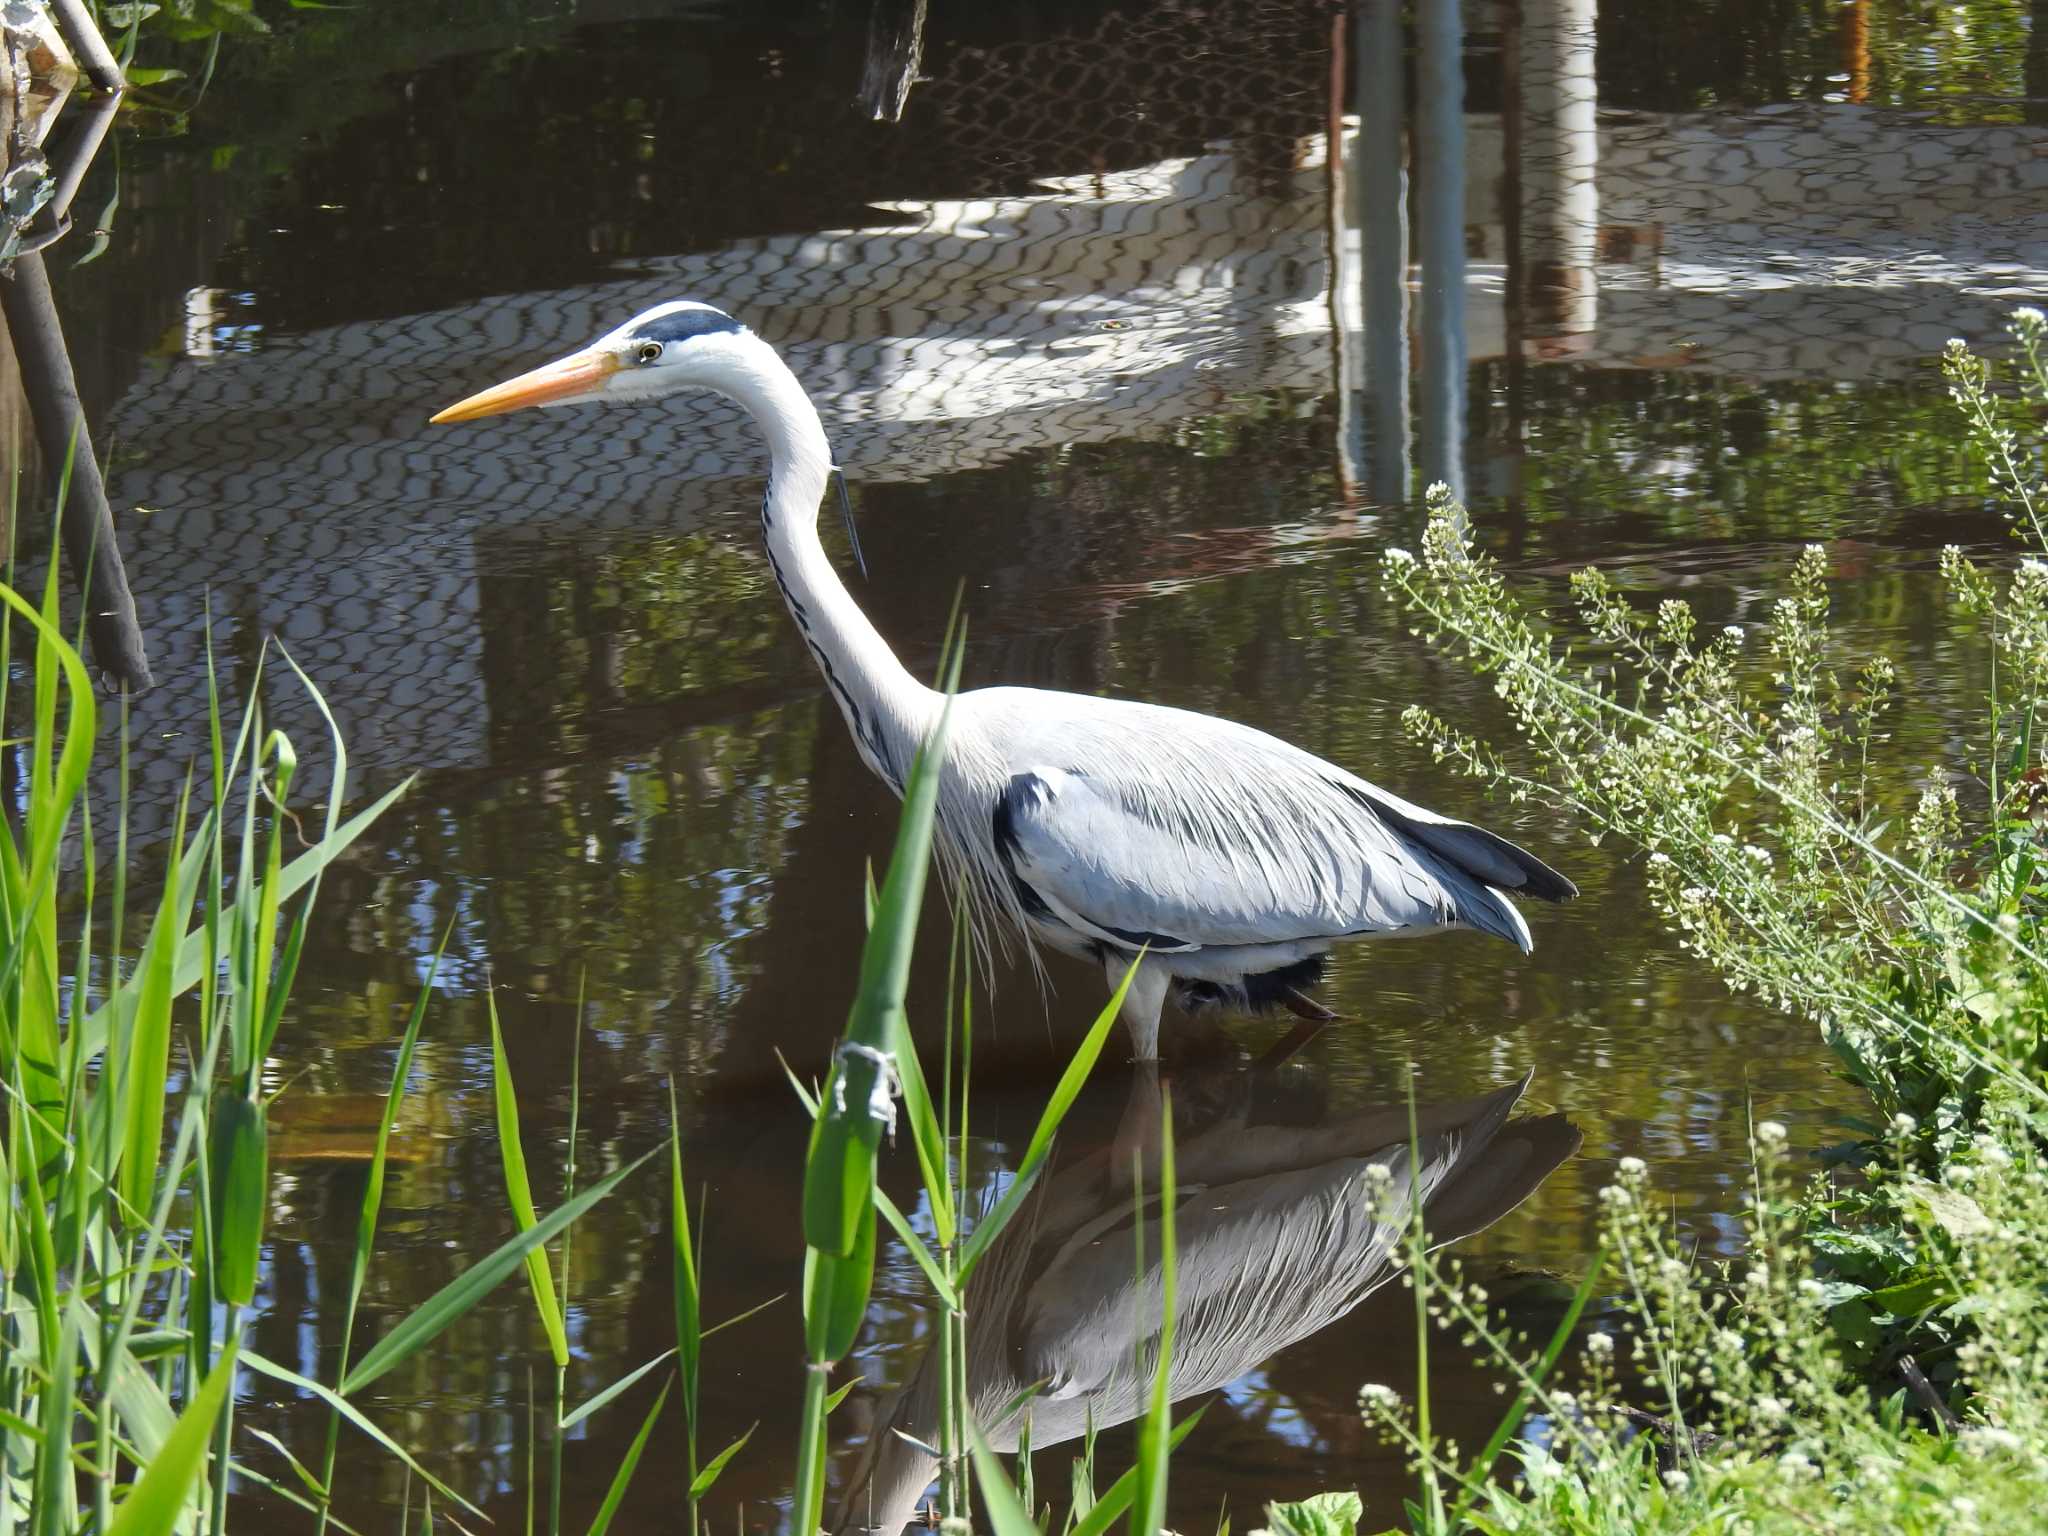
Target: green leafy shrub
<point>1878,1359</point>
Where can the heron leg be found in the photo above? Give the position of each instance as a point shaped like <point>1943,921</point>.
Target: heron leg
<point>1143,1003</point>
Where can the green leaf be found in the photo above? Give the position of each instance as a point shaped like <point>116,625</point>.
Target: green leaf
<point>717,1463</point>
<point>158,1501</point>
<point>839,1169</point>
<point>1118,1498</point>
<point>1040,1146</point>
<point>193,952</point>
<point>612,1391</point>
<point>892,1214</point>
<point>1148,1509</point>
<point>50,1504</point>
<point>689,1311</point>
<point>926,1135</point>
<point>1911,1297</point>
<point>617,1492</point>
<point>304,1474</point>
<point>240,1184</point>
<point>265,1366</point>
<point>520,1192</point>
<point>836,1294</point>
<point>453,1300</point>
<point>1006,1512</point>
<point>1324,1514</point>
<point>146,1058</point>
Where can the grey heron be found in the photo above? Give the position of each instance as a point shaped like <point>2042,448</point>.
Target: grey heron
<point>1282,1230</point>
<point>1106,829</point>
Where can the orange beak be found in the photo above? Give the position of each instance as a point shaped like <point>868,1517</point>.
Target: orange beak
<point>565,380</point>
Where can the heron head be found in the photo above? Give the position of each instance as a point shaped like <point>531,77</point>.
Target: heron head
<point>680,345</point>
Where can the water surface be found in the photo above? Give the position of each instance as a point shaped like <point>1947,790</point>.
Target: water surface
<point>1145,326</point>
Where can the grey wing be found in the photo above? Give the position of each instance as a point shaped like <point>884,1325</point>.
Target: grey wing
<point>1250,842</point>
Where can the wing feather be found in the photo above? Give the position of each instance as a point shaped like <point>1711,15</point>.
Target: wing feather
<point>1181,831</point>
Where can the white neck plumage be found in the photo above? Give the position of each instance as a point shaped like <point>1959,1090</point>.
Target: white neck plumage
<point>886,708</point>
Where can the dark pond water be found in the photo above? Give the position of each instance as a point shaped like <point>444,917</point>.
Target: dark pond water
<point>1147,323</point>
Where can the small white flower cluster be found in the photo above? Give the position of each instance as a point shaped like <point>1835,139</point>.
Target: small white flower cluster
<point>1377,1397</point>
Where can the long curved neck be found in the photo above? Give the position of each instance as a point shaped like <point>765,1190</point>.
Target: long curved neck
<point>887,710</point>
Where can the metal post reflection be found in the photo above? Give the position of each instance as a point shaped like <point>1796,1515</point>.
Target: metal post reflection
<point>1372,218</point>
<point>1440,215</point>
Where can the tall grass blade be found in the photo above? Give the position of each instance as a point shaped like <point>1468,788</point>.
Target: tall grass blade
<point>624,1383</point>
<point>198,948</point>
<point>264,1366</point>
<point>454,1300</point>
<point>239,1167</point>
<point>52,1505</point>
<point>1148,1509</point>
<point>701,1484</point>
<point>520,1191</point>
<point>157,1503</point>
<point>1007,1513</point>
<point>1480,1476</point>
<point>689,1313</point>
<point>1049,1121</point>
<point>615,1495</point>
<point>839,1170</point>
<point>145,1064</point>
<point>915,1245</point>
<point>836,1293</point>
<point>1120,1494</point>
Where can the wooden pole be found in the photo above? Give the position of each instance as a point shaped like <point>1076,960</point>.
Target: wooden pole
<point>87,521</point>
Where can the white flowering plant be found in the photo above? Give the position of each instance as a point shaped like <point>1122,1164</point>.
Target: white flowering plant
<point>1878,1359</point>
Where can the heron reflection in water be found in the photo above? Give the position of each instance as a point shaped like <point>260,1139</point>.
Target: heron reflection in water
<point>1222,860</point>
<point>1277,1235</point>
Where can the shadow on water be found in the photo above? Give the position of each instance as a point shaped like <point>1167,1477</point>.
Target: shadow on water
<point>1146,321</point>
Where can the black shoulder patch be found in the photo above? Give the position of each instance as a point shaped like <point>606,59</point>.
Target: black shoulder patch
<point>682,324</point>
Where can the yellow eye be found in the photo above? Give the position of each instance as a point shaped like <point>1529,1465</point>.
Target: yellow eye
<point>650,351</point>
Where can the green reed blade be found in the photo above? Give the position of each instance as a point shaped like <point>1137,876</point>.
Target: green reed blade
<point>740,1317</point>
<point>1039,1148</point>
<point>159,1500</point>
<point>372,1204</point>
<point>839,1169</point>
<point>239,1168</point>
<point>192,958</point>
<point>1479,1478</point>
<point>1007,1513</point>
<point>1120,1493</point>
<point>373,1186</point>
<point>1148,1509</point>
<point>836,1293</point>
<point>617,1492</point>
<point>426,1322</point>
<point>612,1391</point>
<point>927,1137</point>
<point>941,1287</point>
<point>267,900</point>
<point>265,1366</point>
<point>145,1065</point>
<point>689,1312</point>
<point>55,1490</point>
<point>299,1469</point>
<point>703,1481</point>
<point>10,1247</point>
<point>519,1191</point>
